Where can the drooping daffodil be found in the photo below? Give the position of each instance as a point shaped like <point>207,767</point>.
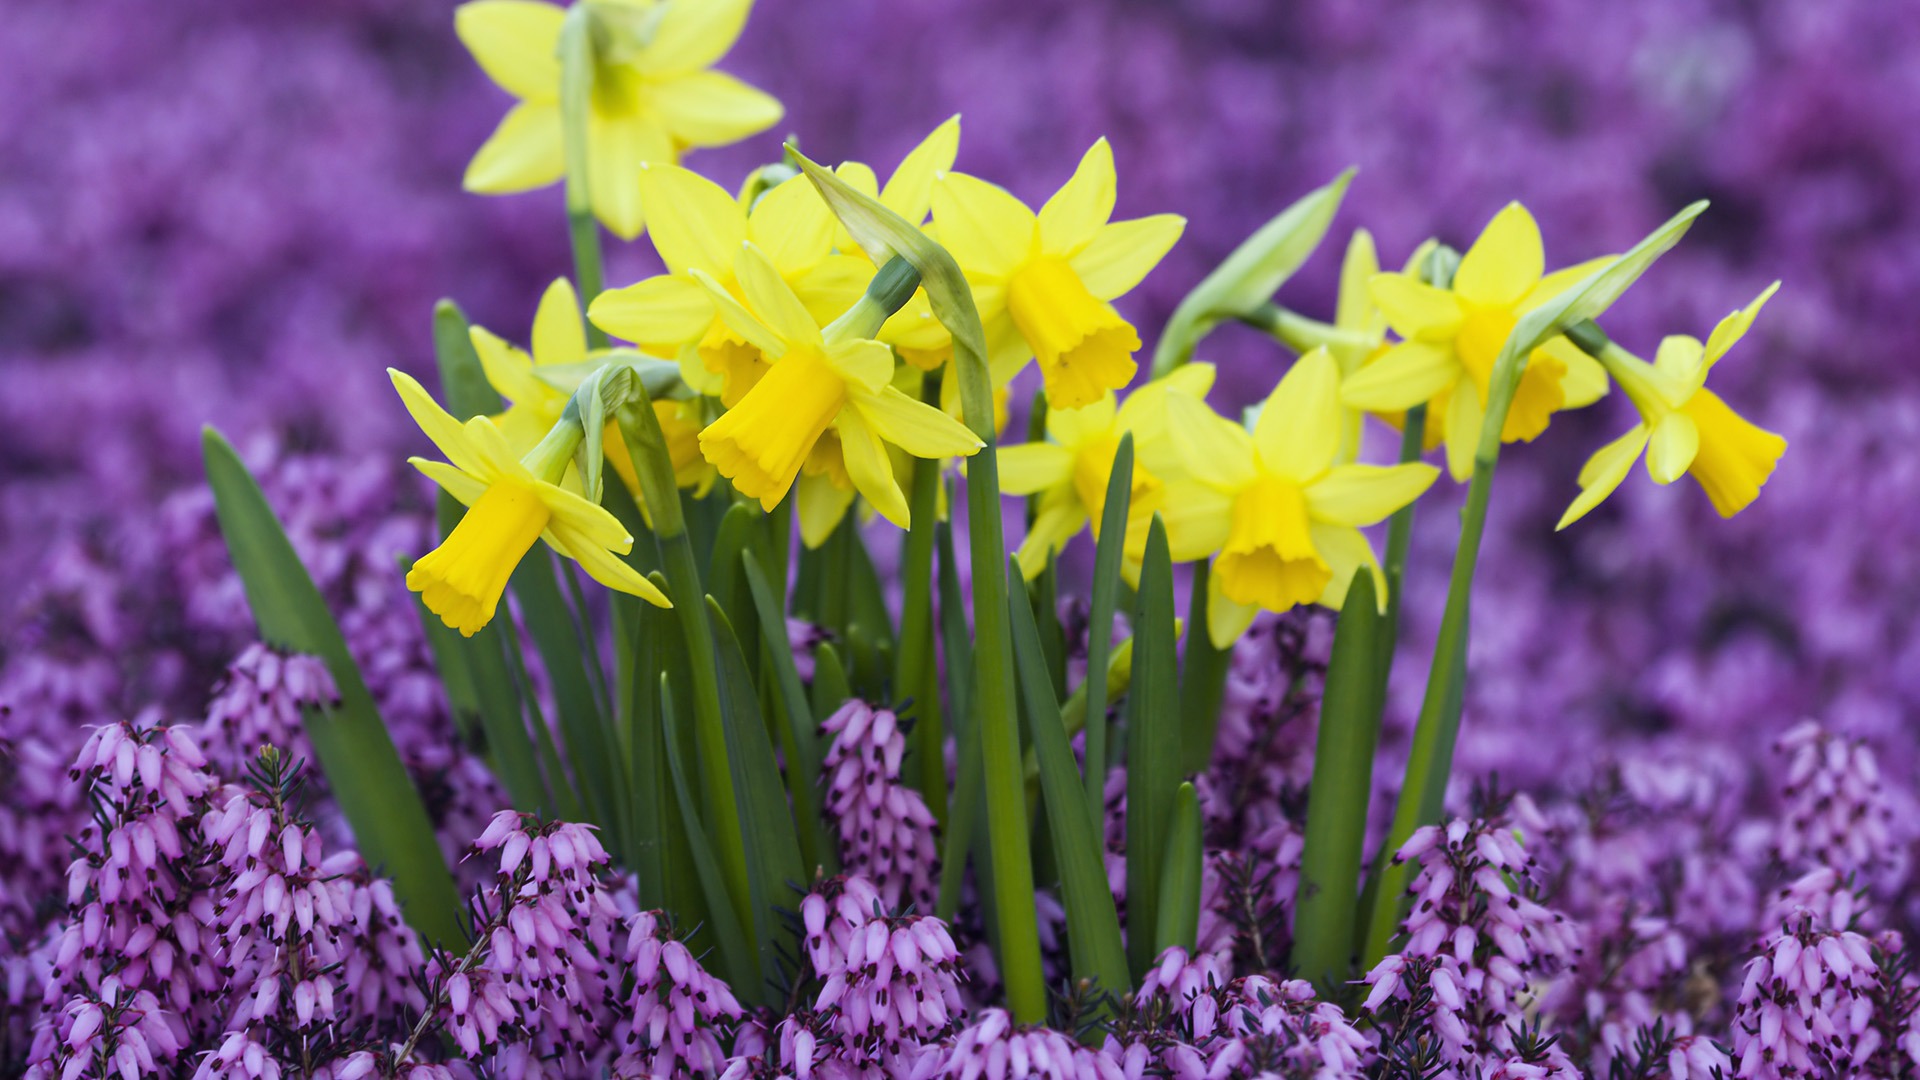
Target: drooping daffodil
<point>699,227</point>
<point>653,96</point>
<point>1042,282</point>
<point>511,502</point>
<point>1684,427</point>
<point>1280,516</point>
<point>1452,336</point>
<point>1069,472</point>
<point>813,384</point>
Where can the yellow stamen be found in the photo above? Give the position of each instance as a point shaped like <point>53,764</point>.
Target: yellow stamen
<point>1269,558</point>
<point>760,443</point>
<point>462,579</point>
<point>1085,348</point>
<point>1736,456</point>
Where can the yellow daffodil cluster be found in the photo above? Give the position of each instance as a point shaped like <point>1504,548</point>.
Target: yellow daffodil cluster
<point>791,378</point>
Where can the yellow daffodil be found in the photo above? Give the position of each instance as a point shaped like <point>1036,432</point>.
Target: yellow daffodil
<point>698,227</point>
<point>1281,517</point>
<point>1453,336</point>
<point>1684,427</point>
<point>825,490</point>
<point>813,385</point>
<point>913,331</point>
<point>1043,282</point>
<point>510,505</point>
<point>1070,471</point>
<point>653,95</point>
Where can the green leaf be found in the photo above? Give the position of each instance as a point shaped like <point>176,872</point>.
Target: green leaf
<point>742,530</point>
<point>736,952</point>
<point>830,690</point>
<point>381,805</point>
<point>1107,557</point>
<point>1337,802</point>
<point>773,847</point>
<point>1093,928</point>
<point>550,623</point>
<point>1251,275</point>
<point>463,382</point>
<point>1203,679</point>
<point>916,675</point>
<point>800,736</point>
<point>1153,748</point>
<point>1180,889</point>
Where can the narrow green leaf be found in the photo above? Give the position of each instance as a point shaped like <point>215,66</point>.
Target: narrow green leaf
<point>376,795</point>
<point>1252,274</point>
<point>1180,889</point>
<point>550,623</point>
<point>463,382</point>
<point>736,952</point>
<point>772,846</point>
<point>830,689</point>
<point>800,736</point>
<point>1153,748</point>
<point>916,673</point>
<point>1108,554</point>
<point>1093,929</point>
<point>743,529</point>
<point>1203,680</point>
<point>1337,801</point>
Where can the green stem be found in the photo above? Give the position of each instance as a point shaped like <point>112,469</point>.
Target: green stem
<point>1300,333</point>
<point>1203,680</point>
<point>576,97</point>
<point>915,673</point>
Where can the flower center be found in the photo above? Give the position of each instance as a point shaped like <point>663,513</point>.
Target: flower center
<point>761,443</point>
<point>462,579</point>
<point>1269,559</point>
<point>1085,348</point>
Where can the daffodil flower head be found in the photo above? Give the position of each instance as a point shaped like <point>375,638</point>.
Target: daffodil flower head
<point>699,227</point>
<point>558,338</point>
<point>1069,472</point>
<point>511,503</point>
<point>813,384</point>
<point>1042,282</point>
<point>1684,427</point>
<point>653,98</point>
<point>1452,337</point>
<point>1273,506</point>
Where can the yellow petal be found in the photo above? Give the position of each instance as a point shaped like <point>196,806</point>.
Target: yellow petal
<point>1214,451</point>
<point>1056,524</point>
<point>622,147</point>
<point>509,371</point>
<point>514,42</point>
<point>865,364</point>
<point>456,483</point>
<point>869,469</point>
<point>909,191</point>
<point>1030,468</point>
<point>1464,416</point>
<point>1585,381</point>
<point>711,108</point>
<point>1365,494</point>
<point>1671,450</point>
<point>444,430</point>
<point>696,223</point>
<point>605,567</point>
<point>1414,308</point>
<point>1198,518</point>
<point>1561,280</point>
<point>1122,253</point>
<point>988,231</point>
<point>662,312</point>
<point>1603,472</point>
<point>1355,309</point>
<point>831,286</point>
<point>1227,619</point>
<point>1083,204</point>
<point>821,504</point>
<point>1504,263</point>
<point>914,426</point>
<point>1682,360</point>
<point>1071,427</point>
<point>792,225</point>
<point>691,36</point>
<point>558,337</point>
<point>1347,551</point>
<point>1407,374</point>
<point>1736,456</point>
<point>772,299</point>
<point>1298,431</point>
<point>1735,326</point>
<point>738,319</point>
<point>523,153</point>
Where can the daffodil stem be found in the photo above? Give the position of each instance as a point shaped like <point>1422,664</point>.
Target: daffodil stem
<point>916,672</point>
<point>1298,332</point>
<point>576,93</point>
<point>1423,793</point>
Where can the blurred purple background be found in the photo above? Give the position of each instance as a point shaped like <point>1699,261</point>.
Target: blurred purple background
<point>240,213</point>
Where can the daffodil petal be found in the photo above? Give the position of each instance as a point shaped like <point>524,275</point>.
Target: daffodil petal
<point>1298,431</point>
<point>1227,619</point>
<point>693,36</point>
<point>1355,309</point>
<point>988,231</point>
<point>588,520</point>
<point>443,429</point>
<point>558,336</point>
<point>1355,495</point>
<point>771,298</point>
<point>711,108</point>
<point>1735,326</point>
<point>792,225</point>
<point>509,371</point>
<point>1122,253</point>
<point>1585,381</point>
<point>1407,374</point>
<point>665,311</point>
<point>1052,528</point>
<point>1464,417</point>
<point>1213,450</point>
<point>514,42</point>
<point>1672,448</point>
<point>1198,518</point>
<point>1070,427</point>
<point>696,223</point>
<point>1347,552</point>
<point>605,567</point>
<point>1561,280</point>
<point>1030,468</point>
<point>1415,309</point>
<point>522,154</point>
<point>909,191</point>
<point>622,148</point>
<point>1603,472</point>
<point>914,426</point>
<point>739,319</point>
<point>821,504</point>
<point>1505,262</point>
<point>869,469</point>
<point>1075,213</point>
<point>1682,359</point>
<point>456,483</point>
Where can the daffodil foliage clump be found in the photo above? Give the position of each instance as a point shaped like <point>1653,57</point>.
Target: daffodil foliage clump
<point>1000,810</point>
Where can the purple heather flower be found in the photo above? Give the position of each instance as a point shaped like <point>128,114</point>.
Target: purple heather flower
<point>672,1020</point>
<point>886,830</point>
<point>1837,814</point>
<point>890,985</point>
<point>258,703</point>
